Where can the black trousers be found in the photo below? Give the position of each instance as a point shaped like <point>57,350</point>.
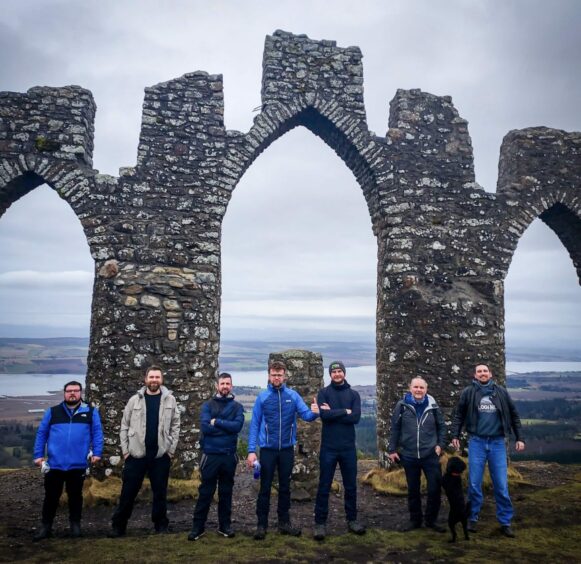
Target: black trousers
<point>272,460</point>
<point>328,460</point>
<point>413,467</point>
<point>134,473</point>
<point>53,489</point>
<point>216,469</point>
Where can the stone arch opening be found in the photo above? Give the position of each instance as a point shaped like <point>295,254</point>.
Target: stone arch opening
<point>46,273</point>
<point>541,286</point>
<point>312,209</point>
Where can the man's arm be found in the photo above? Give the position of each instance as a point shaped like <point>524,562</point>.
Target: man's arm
<point>174,431</point>
<point>516,424</point>
<point>96,436</point>
<point>355,414</point>
<point>232,426</point>
<point>395,431</point>
<point>441,428</point>
<point>254,425</point>
<point>326,412</point>
<point>459,417</point>
<point>124,429</point>
<point>206,421</point>
<point>303,410</point>
<point>41,438</point>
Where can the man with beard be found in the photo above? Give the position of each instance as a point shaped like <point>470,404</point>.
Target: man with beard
<point>222,419</point>
<point>489,414</point>
<point>149,435</point>
<point>340,411</point>
<point>70,430</point>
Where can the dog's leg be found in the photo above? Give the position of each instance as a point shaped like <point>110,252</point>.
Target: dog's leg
<point>452,527</point>
<point>465,527</point>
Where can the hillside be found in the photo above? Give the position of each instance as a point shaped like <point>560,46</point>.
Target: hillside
<point>546,526</point>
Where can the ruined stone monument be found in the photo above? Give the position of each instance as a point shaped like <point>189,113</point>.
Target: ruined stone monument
<point>444,244</point>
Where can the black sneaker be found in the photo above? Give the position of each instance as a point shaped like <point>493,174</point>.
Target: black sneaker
<point>288,529</point>
<point>472,526</point>
<point>356,527</point>
<point>75,528</point>
<point>45,532</point>
<point>260,533</point>
<point>227,532</point>
<point>320,531</point>
<point>412,526</point>
<point>507,531</point>
<point>116,532</point>
<point>435,527</point>
<point>196,534</point>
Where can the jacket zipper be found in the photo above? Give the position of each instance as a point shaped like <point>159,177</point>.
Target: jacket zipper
<point>279,421</point>
<point>420,423</point>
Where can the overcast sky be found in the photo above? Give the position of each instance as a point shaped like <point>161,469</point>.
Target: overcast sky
<point>299,258</point>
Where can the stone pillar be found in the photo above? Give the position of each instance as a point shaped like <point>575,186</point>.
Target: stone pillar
<point>305,376</point>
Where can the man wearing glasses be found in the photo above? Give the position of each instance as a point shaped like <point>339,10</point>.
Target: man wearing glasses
<point>69,432</point>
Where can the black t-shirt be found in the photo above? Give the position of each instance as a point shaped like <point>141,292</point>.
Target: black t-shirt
<point>152,421</point>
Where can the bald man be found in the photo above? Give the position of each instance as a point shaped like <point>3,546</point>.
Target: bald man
<point>418,431</point>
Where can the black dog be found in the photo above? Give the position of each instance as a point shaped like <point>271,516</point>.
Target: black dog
<point>452,484</point>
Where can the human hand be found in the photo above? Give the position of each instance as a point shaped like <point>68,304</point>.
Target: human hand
<point>394,457</point>
<point>349,412</point>
<point>39,461</point>
<point>251,460</point>
<point>213,421</point>
<point>519,445</point>
<point>95,459</point>
<point>125,456</point>
<point>315,406</point>
<point>438,450</point>
<point>325,406</point>
<point>456,444</point>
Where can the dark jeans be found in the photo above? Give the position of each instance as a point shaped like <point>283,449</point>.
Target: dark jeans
<point>413,467</point>
<point>347,460</point>
<point>216,469</point>
<point>53,489</point>
<point>282,461</point>
<point>134,472</point>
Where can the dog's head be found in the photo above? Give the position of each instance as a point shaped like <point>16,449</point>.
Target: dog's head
<point>455,465</point>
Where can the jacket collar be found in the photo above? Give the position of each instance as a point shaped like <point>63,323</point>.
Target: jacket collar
<point>164,392</point>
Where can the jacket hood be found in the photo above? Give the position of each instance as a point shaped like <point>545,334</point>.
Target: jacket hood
<point>164,391</point>
<point>431,401</point>
<point>344,386</point>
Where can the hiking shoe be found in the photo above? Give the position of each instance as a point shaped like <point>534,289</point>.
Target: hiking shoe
<point>44,532</point>
<point>320,531</point>
<point>507,531</point>
<point>227,532</point>
<point>260,533</point>
<point>356,527</point>
<point>472,526</point>
<point>196,534</point>
<point>116,532</point>
<point>411,526</point>
<point>162,529</point>
<point>288,529</point>
<point>75,528</point>
<point>436,527</point>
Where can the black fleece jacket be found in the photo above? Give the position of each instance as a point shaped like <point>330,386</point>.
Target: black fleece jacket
<point>338,427</point>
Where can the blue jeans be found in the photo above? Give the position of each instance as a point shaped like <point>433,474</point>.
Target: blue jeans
<point>347,460</point>
<point>493,451</point>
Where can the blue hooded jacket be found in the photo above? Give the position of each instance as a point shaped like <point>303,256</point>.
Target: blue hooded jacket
<point>274,420</point>
<point>222,437</point>
<point>69,435</point>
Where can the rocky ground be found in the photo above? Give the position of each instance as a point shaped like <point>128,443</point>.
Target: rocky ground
<point>21,493</point>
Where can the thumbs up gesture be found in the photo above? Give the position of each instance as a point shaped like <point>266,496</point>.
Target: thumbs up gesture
<point>315,406</point>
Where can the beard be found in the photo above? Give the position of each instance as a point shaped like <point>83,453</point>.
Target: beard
<point>153,387</point>
<point>70,403</point>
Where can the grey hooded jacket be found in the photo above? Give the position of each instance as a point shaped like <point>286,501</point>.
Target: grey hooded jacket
<point>132,432</point>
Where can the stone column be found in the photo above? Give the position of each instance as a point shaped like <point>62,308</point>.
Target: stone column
<point>305,376</point>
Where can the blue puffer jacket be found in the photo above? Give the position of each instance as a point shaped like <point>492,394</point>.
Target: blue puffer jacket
<point>70,436</point>
<point>274,419</point>
<point>222,436</point>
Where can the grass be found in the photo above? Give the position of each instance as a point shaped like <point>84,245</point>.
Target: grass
<point>393,481</point>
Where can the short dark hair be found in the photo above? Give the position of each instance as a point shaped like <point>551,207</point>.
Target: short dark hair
<point>73,383</point>
<point>223,376</point>
<point>277,365</point>
<point>153,367</point>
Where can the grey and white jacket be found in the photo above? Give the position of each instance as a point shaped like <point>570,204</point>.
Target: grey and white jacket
<point>132,432</point>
